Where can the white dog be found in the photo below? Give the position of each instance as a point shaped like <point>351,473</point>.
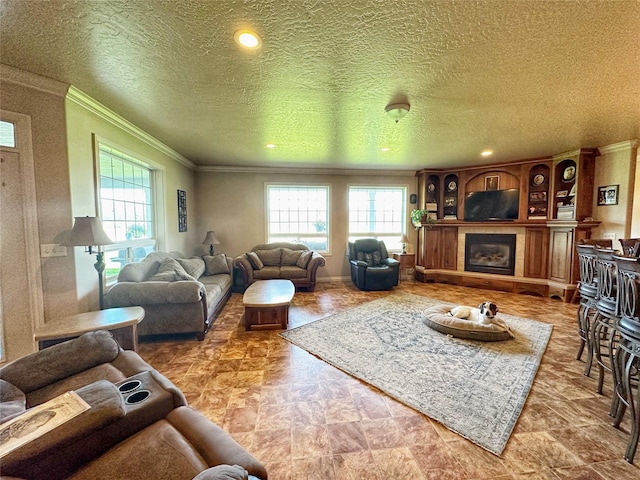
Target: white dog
<point>485,314</point>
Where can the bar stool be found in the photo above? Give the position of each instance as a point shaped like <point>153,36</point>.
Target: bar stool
<point>627,358</point>
<point>630,246</point>
<point>588,290</point>
<point>604,336</point>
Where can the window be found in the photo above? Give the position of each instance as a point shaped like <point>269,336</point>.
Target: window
<point>7,134</point>
<point>299,214</point>
<point>377,212</point>
<point>126,188</point>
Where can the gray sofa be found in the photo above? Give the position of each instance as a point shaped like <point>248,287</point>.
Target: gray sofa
<point>179,295</point>
<point>280,260</point>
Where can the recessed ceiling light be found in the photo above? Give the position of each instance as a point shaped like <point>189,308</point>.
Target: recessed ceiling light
<point>385,149</point>
<point>486,153</point>
<point>270,145</point>
<point>247,39</point>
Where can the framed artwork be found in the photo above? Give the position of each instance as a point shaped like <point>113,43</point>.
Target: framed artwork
<point>492,182</point>
<point>182,211</point>
<point>608,195</point>
<point>538,196</point>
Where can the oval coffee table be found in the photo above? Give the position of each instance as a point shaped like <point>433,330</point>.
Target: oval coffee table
<point>266,304</point>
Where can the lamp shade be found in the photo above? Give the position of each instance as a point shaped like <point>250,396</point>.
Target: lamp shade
<point>88,232</point>
<point>211,239</point>
<point>404,238</point>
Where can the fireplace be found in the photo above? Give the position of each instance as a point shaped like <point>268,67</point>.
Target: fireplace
<point>490,253</point>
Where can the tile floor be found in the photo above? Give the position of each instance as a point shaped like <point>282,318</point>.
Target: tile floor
<point>307,420</point>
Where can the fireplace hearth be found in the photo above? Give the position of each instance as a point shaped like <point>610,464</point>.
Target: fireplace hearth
<point>490,253</point>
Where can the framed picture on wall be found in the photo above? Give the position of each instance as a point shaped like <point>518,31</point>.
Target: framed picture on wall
<point>492,182</point>
<point>182,211</point>
<point>608,195</point>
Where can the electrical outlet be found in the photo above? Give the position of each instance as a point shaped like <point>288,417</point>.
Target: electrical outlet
<point>52,250</point>
<point>609,235</point>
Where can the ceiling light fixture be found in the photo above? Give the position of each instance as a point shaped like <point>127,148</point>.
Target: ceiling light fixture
<point>270,145</point>
<point>385,149</point>
<point>397,111</point>
<point>247,39</point>
<point>486,153</point>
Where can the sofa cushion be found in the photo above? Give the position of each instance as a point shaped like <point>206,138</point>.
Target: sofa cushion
<point>216,264</point>
<point>288,271</point>
<point>290,257</point>
<point>255,261</point>
<point>194,266</point>
<point>267,273</point>
<point>372,259</point>
<point>223,472</point>
<point>270,258</point>
<point>304,259</point>
<point>170,271</point>
<point>138,271</point>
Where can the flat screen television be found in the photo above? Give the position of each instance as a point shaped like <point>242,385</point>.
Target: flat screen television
<point>492,205</point>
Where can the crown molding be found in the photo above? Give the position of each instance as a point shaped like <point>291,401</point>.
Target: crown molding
<point>620,146</point>
<point>31,80</point>
<point>95,107</point>
<point>306,171</point>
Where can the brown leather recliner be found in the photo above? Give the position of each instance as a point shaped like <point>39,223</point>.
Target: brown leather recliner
<point>139,425</point>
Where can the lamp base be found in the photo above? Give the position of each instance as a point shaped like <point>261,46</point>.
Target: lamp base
<point>211,250</point>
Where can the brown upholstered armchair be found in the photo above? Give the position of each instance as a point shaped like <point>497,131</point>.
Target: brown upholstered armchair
<point>371,267</point>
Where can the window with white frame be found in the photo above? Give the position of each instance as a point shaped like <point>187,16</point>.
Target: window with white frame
<point>126,193</point>
<point>377,212</point>
<point>299,214</point>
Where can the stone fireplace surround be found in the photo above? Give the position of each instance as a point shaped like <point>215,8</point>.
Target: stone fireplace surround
<point>519,233</point>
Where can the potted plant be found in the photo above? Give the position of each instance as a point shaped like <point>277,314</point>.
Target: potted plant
<point>420,218</point>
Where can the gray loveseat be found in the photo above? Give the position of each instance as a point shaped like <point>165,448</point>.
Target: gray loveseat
<point>280,260</point>
<point>179,295</point>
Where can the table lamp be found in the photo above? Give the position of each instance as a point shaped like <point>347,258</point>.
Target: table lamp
<point>88,232</point>
<point>404,240</point>
<point>211,240</point>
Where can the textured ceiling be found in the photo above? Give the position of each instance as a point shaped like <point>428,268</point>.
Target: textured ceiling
<point>524,78</point>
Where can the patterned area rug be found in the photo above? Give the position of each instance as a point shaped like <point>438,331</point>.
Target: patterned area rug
<point>476,389</point>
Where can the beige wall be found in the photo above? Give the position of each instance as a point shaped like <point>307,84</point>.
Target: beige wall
<point>84,121</point>
<point>616,165</point>
<point>233,205</point>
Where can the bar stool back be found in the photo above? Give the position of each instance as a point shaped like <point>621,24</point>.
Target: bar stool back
<point>627,358</point>
<point>604,336</point>
<point>588,289</point>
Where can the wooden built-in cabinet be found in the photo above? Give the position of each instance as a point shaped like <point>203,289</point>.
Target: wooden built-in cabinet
<point>554,212</point>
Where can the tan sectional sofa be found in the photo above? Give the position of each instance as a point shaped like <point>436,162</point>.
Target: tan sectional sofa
<point>117,438</point>
<point>280,260</point>
<point>180,295</point>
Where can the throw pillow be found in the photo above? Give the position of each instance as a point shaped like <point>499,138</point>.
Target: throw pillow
<point>255,261</point>
<point>169,271</point>
<point>216,264</point>
<point>290,257</point>
<point>271,258</point>
<point>304,259</point>
<point>194,266</point>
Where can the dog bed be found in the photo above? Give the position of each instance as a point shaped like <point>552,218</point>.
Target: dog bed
<point>436,317</point>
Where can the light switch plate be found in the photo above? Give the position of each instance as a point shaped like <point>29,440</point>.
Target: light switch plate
<point>52,250</point>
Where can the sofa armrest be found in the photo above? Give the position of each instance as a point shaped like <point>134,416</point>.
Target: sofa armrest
<point>60,361</point>
<point>215,445</point>
<point>127,294</point>
<point>391,262</point>
<point>107,406</point>
<point>246,269</point>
